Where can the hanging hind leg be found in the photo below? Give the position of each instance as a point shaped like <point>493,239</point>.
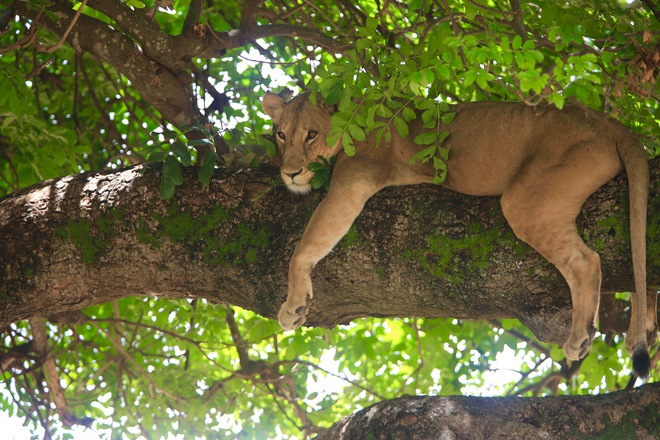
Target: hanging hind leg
<point>559,242</point>
<point>541,208</point>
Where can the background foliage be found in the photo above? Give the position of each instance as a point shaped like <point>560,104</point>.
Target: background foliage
<point>154,366</point>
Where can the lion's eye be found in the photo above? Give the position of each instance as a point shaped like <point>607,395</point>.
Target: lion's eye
<point>312,135</point>
<point>281,135</point>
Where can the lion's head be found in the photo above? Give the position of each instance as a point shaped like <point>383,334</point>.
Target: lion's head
<point>300,132</point>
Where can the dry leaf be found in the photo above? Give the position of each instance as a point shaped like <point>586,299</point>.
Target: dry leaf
<point>646,37</point>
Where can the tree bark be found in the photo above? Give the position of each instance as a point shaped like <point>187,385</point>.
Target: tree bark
<point>622,415</point>
<point>414,251</point>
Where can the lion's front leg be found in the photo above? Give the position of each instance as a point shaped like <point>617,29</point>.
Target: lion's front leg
<point>293,312</point>
<point>329,223</point>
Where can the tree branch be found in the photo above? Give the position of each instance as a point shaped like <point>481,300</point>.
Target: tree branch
<point>518,23</point>
<point>51,374</point>
<point>250,12</point>
<point>91,238</point>
<point>625,414</point>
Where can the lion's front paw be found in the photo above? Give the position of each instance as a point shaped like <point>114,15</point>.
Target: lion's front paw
<point>293,313</point>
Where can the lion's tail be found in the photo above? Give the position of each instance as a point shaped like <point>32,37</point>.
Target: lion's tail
<point>635,162</point>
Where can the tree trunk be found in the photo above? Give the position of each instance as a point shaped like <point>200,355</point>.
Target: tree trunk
<point>414,251</point>
<point>623,415</point>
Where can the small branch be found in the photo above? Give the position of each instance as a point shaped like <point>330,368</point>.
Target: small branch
<point>516,334</point>
<point>66,33</point>
<point>50,371</point>
<point>193,15</point>
<point>29,38</point>
<point>249,13</point>
<point>144,373</point>
<point>518,24</point>
<point>219,41</point>
<point>239,342</point>
<point>338,376</point>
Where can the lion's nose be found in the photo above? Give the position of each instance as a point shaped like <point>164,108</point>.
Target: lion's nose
<point>294,174</point>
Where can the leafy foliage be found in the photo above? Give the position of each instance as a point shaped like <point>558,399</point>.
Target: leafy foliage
<point>145,366</point>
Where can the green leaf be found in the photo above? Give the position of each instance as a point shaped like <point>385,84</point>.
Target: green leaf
<point>516,43</point>
<point>424,155</point>
<point>157,156</point>
<point>201,141</point>
<point>332,90</point>
<point>408,114</point>
<point>443,152</point>
<point>206,170</point>
<point>427,138</point>
<point>448,117</point>
<point>347,143</point>
<point>321,179</point>
<point>469,77</point>
<point>401,127</point>
<point>167,188</point>
<point>371,24</point>
<point>442,136</point>
<point>315,166</point>
<point>357,132</point>
<point>180,150</point>
<point>172,171</point>
<point>558,100</point>
<point>415,81</point>
<point>363,43</point>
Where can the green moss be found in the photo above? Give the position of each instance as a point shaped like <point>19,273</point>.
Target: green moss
<point>242,245</point>
<point>454,259</point>
<point>245,247</point>
<point>29,272</point>
<point>649,419</point>
<point>652,424</point>
<point>179,227</point>
<point>89,236</point>
<point>145,234</point>
<point>80,234</point>
<point>351,237</point>
<point>610,226</point>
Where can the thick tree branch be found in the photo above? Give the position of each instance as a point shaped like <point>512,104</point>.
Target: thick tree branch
<point>625,414</point>
<point>163,86</point>
<point>155,43</point>
<point>414,251</point>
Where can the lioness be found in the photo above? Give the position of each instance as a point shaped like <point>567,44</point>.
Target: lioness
<point>544,162</point>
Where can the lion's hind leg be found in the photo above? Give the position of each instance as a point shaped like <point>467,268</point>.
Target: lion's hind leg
<point>580,267</point>
<point>541,209</point>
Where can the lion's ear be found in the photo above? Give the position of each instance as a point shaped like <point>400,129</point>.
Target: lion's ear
<point>273,106</point>
<point>330,108</point>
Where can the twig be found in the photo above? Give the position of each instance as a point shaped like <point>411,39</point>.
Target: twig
<point>330,373</point>
<point>58,44</point>
<point>67,31</point>
<point>144,373</point>
<point>27,39</point>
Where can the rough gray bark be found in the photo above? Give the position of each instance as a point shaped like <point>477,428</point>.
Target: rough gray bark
<point>415,251</point>
<point>623,415</point>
